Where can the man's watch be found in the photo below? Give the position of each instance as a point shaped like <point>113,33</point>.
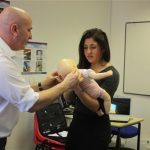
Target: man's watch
<point>40,86</point>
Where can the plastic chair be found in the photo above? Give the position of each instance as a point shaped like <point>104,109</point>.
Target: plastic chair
<point>126,132</point>
<point>49,123</point>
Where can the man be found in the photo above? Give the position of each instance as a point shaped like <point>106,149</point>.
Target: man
<point>15,93</point>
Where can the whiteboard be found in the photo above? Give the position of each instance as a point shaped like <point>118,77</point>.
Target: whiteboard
<point>137,58</point>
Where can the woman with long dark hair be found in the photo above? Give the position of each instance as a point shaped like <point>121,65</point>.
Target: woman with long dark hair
<point>88,131</point>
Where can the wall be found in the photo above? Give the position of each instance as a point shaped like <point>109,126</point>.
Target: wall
<point>127,11</point>
<point>60,23</point>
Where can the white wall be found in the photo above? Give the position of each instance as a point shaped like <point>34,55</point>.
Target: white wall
<point>61,24</point>
<point>125,11</point>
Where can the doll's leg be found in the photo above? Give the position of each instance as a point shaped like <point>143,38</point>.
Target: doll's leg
<point>100,112</point>
<point>107,101</point>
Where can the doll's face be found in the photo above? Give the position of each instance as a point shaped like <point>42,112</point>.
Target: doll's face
<point>65,66</point>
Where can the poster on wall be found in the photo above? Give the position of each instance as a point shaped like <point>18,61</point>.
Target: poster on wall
<point>32,58</point>
<point>3,4</point>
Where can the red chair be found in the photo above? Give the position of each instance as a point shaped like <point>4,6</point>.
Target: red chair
<point>48,123</point>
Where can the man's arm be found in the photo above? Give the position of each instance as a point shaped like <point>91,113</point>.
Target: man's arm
<point>50,81</point>
<point>49,95</point>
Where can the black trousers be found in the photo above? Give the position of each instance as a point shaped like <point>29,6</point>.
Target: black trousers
<point>88,132</point>
<point>3,142</point>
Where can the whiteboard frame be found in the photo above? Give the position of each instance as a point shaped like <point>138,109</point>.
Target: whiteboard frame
<point>125,66</point>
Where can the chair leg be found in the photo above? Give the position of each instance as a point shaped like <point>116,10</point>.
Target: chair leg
<point>118,141</point>
<point>138,138</point>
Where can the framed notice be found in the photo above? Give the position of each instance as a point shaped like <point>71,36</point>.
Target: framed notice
<point>3,4</point>
<point>32,58</point>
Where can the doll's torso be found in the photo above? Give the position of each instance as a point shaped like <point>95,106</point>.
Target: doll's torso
<point>89,85</point>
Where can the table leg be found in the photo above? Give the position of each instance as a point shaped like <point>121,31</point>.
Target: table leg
<point>138,138</point>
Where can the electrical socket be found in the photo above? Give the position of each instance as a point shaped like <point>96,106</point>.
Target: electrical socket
<point>148,148</point>
<point>148,142</point>
<point>145,144</point>
<point>148,145</point>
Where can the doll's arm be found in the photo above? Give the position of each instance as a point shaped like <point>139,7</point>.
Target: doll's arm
<point>97,76</point>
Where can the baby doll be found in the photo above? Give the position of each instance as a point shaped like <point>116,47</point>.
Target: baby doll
<point>87,82</point>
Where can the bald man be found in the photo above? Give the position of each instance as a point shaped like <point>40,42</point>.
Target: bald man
<point>15,93</point>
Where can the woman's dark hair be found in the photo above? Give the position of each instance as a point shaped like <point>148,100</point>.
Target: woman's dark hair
<point>101,38</point>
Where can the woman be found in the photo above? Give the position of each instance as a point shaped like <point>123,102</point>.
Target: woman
<point>88,131</point>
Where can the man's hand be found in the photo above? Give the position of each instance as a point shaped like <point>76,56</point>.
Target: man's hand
<point>72,79</point>
<point>51,80</point>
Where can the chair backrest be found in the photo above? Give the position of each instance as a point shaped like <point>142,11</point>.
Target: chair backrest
<point>51,119</point>
<point>43,142</point>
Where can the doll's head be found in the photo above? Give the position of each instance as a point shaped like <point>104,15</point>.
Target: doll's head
<point>65,66</point>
